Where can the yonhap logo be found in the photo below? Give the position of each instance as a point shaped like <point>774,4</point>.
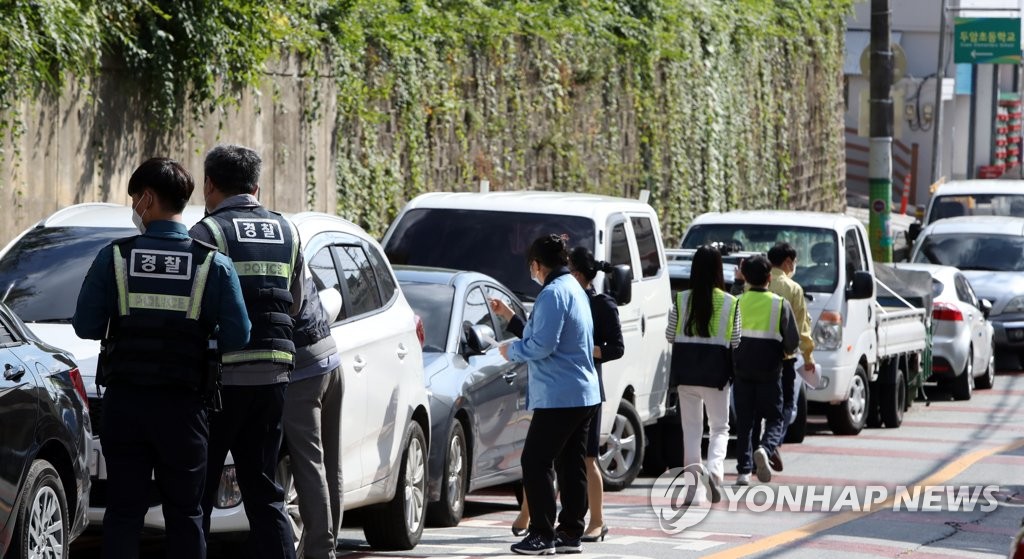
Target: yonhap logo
<point>675,498</point>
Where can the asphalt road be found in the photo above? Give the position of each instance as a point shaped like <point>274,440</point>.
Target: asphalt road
<point>977,446</point>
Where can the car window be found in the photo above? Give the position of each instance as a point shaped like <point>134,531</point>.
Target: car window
<point>502,333</point>
<point>970,291</point>
<point>382,271</point>
<point>475,310</point>
<point>647,244</point>
<point>620,248</point>
<point>325,275</point>
<point>7,337</point>
<point>363,294</point>
<point>1010,205</point>
<point>854,256</point>
<point>973,251</point>
<point>963,291</point>
<point>432,302</point>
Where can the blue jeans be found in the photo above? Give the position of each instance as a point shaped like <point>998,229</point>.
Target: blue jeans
<point>756,400</point>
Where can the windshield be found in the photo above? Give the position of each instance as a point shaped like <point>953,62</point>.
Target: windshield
<point>816,255</point>
<point>45,269</point>
<point>489,242</point>
<point>996,253</point>
<point>1008,205</point>
<point>433,303</point>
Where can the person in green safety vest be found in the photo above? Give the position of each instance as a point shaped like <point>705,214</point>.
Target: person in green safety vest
<point>768,333</point>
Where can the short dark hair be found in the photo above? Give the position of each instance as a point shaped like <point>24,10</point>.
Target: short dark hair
<point>550,251</point>
<point>168,179</point>
<point>233,169</point>
<point>780,253</point>
<point>756,270</point>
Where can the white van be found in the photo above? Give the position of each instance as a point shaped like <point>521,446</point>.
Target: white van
<point>490,233</point>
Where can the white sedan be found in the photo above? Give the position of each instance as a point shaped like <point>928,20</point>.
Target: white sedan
<point>963,351</point>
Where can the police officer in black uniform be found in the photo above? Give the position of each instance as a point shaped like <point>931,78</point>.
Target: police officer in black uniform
<point>264,247</point>
<point>157,299</point>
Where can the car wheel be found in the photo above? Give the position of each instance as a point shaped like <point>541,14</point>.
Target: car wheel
<point>286,479</point>
<point>892,401</point>
<point>622,456</point>
<point>41,521</point>
<point>447,512</point>
<point>963,384</point>
<point>398,524</point>
<point>797,430</point>
<point>850,416</point>
<point>988,379</point>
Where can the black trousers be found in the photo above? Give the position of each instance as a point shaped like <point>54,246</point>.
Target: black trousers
<point>788,400</point>
<point>754,400</point>
<point>154,433</point>
<point>249,425</point>
<point>557,436</point>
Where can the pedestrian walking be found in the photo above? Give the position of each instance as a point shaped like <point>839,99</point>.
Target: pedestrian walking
<point>156,299</point>
<point>608,346</point>
<point>704,327</point>
<point>265,249</point>
<point>768,333</point>
<point>563,393</point>
<point>312,426</point>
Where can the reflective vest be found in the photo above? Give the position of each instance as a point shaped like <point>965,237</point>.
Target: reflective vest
<point>263,246</point>
<point>704,361</point>
<point>157,338</point>
<point>759,357</point>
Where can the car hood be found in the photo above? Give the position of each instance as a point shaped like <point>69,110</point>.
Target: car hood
<point>998,287</point>
<point>85,352</point>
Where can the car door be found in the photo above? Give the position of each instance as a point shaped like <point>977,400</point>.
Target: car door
<point>981,335</point>
<point>520,370</point>
<point>859,316</point>
<point>621,250</point>
<point>490,387</point>
<point>650,366</point>
<point>19,411</point>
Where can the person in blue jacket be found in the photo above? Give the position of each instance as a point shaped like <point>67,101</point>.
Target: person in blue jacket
<point>563,393</point>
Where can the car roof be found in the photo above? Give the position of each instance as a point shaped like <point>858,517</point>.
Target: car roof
<point>778,217</point>
<point>440,276</point>
<point>991,224</point>
<point>528,201</point>
<point>981,186</point>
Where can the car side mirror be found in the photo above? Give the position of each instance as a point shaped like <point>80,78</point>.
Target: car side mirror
<point>986,307</point>
<point>330,299</point>
<point>619,284</point>
<point>478,338</point>
<point>913,232</point>
<point>863,286</point>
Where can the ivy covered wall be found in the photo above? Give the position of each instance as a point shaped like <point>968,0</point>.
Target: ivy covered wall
<point>710,105</point>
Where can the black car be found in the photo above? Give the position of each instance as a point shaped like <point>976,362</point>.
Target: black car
<point>44,445</point>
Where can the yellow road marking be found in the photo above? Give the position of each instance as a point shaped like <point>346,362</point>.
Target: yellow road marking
<point>943,475</point>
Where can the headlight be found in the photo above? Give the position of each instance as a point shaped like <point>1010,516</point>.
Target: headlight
<point>1016,305</point>
<point>228,493</point>
<point>828,332</point>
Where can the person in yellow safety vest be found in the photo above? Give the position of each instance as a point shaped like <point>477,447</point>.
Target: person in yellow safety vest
<point>769,333</point>
<point>704,328</point>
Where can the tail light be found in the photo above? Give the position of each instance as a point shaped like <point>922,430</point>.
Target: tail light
<point>420,332</point>
<point>76,381</point>
<point>946,311</point>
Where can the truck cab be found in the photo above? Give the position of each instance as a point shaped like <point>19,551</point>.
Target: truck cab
<point>490,232</point>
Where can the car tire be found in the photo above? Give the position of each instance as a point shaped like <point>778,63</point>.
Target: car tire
<point>41,522</point>
<point>797,430</point>
<point>398,524</point>
<point>286,479</point>
<point>963,385</point>
<point>874,420</point>
<point>447,512</point>
<point>850,416</point>
<point>986,380</point>
<point>622,456</point>
<point>892,401</point>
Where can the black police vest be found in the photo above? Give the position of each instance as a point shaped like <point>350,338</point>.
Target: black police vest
<point>157,338</point>
<point>311,325</point>
<point>264,247</point>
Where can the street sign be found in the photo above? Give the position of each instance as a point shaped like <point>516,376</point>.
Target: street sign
<point>993,40</point>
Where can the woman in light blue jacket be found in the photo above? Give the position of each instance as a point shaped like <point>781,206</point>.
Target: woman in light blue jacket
<point>563,393</point>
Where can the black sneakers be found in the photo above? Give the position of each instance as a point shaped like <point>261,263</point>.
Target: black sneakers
<point>565,544</point>
<point>534,544</point>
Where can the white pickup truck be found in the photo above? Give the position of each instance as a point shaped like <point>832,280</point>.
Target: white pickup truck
<point>869,352</point>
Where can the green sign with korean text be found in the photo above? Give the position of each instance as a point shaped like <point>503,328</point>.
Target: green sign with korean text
<point>987,40</point>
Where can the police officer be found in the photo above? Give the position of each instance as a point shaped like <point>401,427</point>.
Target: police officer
<point>265,249</point>
<point>158,298</point>
<point>769,332</point>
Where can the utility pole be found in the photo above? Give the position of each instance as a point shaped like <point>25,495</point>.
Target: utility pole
<point>940,74</point>
<point>880,154</point>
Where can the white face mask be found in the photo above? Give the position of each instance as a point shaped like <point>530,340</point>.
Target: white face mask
<point>137,219</point>
<point>537,280</point>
